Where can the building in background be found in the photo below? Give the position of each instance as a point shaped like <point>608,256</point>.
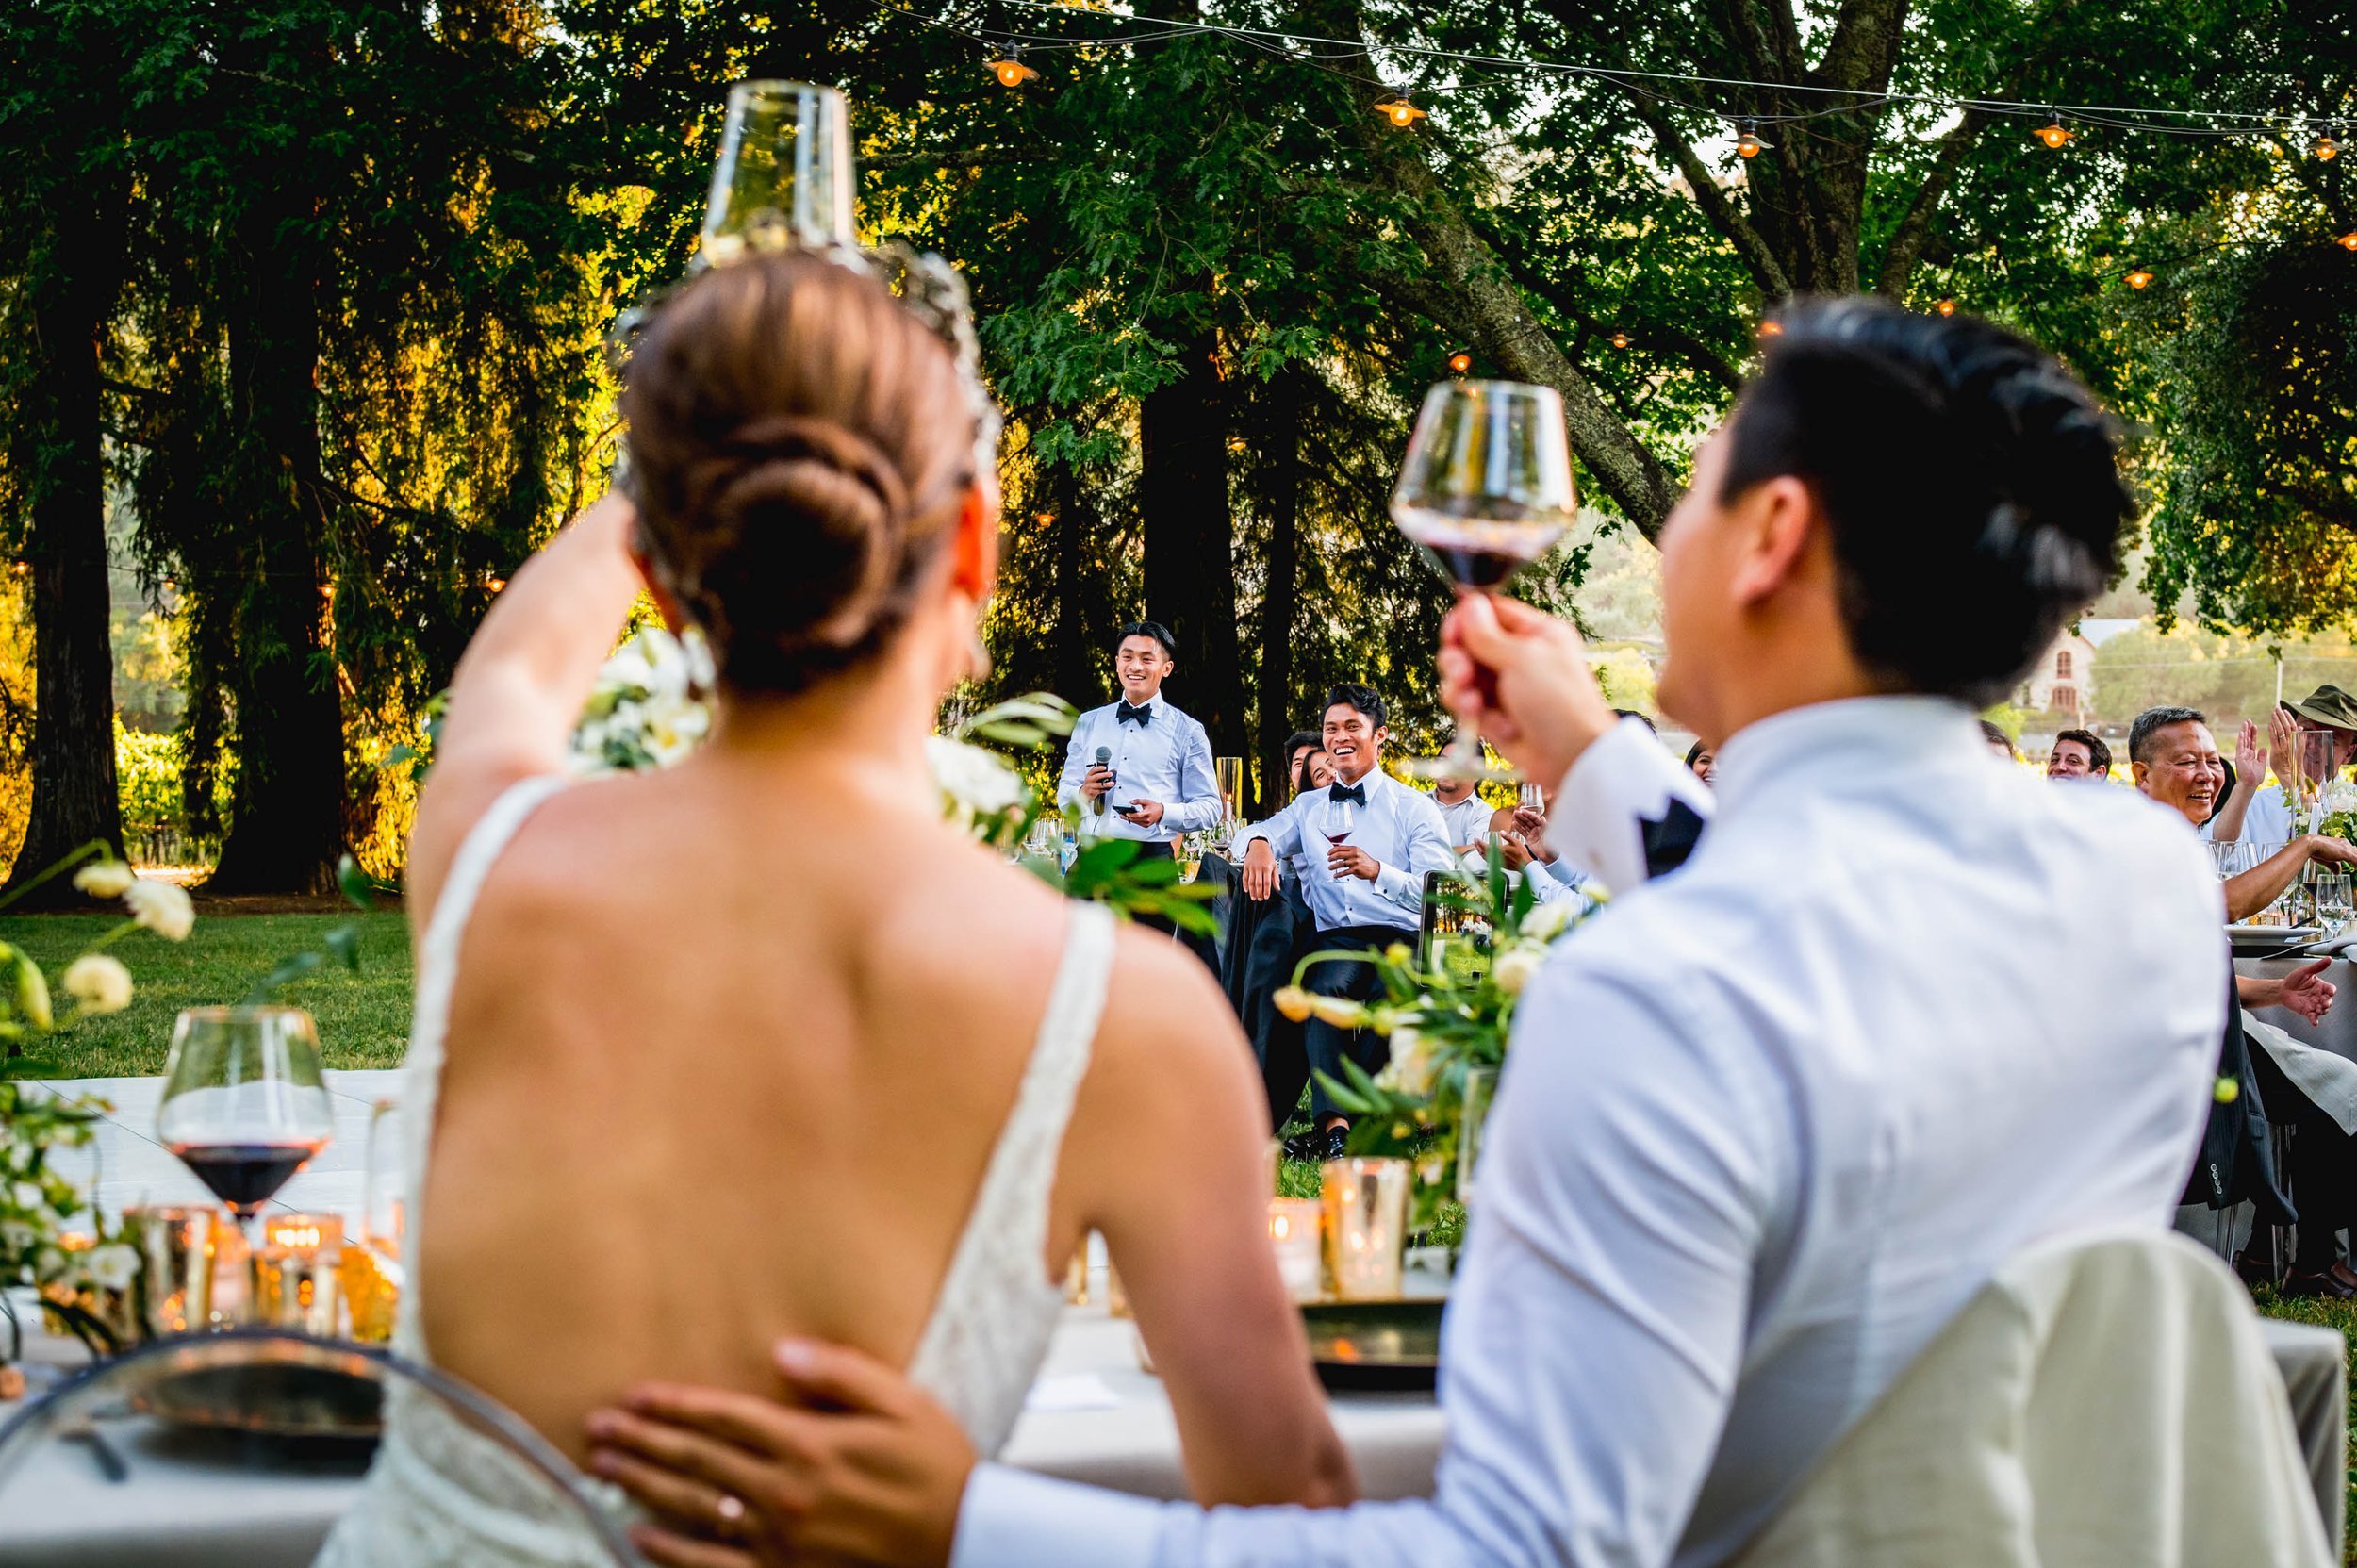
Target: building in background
<point>2061,686</point>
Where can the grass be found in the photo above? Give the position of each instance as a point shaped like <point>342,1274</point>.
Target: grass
<point>2332,1314</point>
<point>363,1018</point>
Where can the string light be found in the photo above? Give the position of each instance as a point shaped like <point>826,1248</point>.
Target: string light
<point>1620,339</point>
<point>1009,70</point>
<point>2324,146</point>
<point>2054,133</point>
<point>1749,144</point>
<point>1772,329</point>
<point>1946,307</point>
<point>1460,362</point>
<point>2140,278</point>
<point>1399,112</point>
<point>2348,241</point>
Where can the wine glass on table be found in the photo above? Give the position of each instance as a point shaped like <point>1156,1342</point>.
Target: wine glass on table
<point>244,1106</point>
<point>1485,489</point>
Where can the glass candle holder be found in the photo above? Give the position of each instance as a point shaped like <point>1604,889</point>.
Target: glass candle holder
<point>177,1251</point>
<point>295,1283</point>
<point>1293,1230</point>
<point>1366,1227</point>
<point>1480,1084</point>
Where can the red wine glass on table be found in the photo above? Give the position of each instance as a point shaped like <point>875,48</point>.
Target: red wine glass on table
<point>244,1106</point>
<point>1485,489</point>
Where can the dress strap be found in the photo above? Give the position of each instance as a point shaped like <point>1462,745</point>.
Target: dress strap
<point>437,979</point>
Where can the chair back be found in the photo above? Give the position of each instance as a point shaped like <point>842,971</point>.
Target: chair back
<point>2106,1399</point>
<point>247,1449</point>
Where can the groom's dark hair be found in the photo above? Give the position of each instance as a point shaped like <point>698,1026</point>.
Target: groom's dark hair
<point>1971,484</point>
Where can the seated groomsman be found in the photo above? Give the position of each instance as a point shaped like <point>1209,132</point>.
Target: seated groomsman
<point>1465,814</point>
<point>1138,767</point>
<point>1369,840</point>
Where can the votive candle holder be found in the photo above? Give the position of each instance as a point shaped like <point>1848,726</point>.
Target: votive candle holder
<point>1293,1230</point>
<point>1365,1203</point>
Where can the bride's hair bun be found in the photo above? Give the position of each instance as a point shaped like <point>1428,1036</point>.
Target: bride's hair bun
<point>1971,485</point>
<point>800,447</point>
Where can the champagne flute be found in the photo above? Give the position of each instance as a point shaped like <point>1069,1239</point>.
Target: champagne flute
<point>1485,489</point>
<point>784,176</point>
<point>243,1105</point>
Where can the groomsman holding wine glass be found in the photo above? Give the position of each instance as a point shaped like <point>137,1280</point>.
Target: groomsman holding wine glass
<point>1368,840</point>
<point>1139,768</point>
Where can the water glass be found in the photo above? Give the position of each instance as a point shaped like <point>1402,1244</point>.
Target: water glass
<point>784,176</point>
<point>2331,893</point>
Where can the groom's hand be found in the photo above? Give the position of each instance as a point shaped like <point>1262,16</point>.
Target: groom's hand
<point>860,1465</point>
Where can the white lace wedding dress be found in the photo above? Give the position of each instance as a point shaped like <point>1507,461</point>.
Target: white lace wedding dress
<point>441,1492</point>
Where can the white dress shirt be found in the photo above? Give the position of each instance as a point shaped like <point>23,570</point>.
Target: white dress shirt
<point>1468,820</point>
<point>1168,758</point>
<point>2268,820</point>
<point>1768,1123</point>
<point>1400,827</point>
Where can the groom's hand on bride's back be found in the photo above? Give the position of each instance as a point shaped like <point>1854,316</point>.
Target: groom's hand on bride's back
<point>861,1465</point>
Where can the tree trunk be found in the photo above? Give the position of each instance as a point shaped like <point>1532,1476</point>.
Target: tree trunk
<point>1079,668</point>
<point>1281,599</point>
<point>1190,569</point>
<point>73,750</point>
<point>287,823</point>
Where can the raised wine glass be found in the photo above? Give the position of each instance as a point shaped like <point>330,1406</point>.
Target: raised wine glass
<point>1485,489</point>
<point>243,1104</point>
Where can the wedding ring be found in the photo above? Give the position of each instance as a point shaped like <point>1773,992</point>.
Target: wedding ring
<point>732,1510</point>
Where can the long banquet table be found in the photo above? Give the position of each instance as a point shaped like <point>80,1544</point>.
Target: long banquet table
<point>1096,1415</point>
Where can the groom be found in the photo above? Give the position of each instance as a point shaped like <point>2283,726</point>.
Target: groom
<point>1773,1118</point>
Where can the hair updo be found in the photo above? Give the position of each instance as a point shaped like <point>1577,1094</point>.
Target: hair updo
<point>1971,484</point>
<point>800,446</point>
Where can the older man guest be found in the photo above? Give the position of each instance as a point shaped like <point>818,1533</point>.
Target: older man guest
<point>2078,754</point>
<point>1751,1152</point>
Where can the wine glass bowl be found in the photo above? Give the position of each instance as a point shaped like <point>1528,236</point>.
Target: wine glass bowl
<point>244,1106</point>
<point>1485,489</point>
<point>782,178</point>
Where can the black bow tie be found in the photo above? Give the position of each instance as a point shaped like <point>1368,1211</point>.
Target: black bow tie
<point>1128,715</point>
<point>1355,794</point>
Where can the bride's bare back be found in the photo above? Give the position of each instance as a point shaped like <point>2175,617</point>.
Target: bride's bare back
<point>729,1046</point>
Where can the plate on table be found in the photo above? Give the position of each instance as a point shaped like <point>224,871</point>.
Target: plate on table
<point>2245,934</point>
<point>275,1400</point>
<point>1376,1345</point>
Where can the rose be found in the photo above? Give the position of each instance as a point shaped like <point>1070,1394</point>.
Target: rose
<point>1548,921</point>
<point>103,878</point>
<point>1414,1059</point>
<point>98,983</point>
<point>1516,965</point>
<point>973,783</point>
<point>1340,1011</point>
<point>162,907</point>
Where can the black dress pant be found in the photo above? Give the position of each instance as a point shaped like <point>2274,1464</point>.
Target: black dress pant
<point>1326,1047</point>
<point>2322,1166</point>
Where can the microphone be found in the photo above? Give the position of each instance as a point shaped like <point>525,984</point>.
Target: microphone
<point>1104,759</point>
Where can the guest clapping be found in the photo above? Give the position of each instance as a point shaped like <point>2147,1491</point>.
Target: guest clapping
<point>2176,762</point>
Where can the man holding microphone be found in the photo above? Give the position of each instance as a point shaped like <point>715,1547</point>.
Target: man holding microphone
<point>1139,768</point>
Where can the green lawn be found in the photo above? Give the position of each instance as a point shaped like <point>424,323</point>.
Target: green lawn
<point>2332,1315</point>
<point>363,1018</point>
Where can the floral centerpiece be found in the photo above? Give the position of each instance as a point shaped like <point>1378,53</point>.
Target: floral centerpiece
<point>651,706</point>
<point>1446,1019</point>
<point>2334,813</point>
<point>76,1275</point>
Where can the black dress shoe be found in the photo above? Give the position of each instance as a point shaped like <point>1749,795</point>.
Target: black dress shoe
<point>1319,1145</point>
<point>2329,1287</point>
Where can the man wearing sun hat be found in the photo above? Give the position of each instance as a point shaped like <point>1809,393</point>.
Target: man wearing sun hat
<point>2268,819</point>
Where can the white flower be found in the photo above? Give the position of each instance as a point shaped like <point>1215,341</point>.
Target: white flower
<point>162,907</point>
<point>98,981</point>
<point>973,781</point>
<point>1516,965</point>
<point>103,878</point>
<point>17,1236</point>
<point>1413,1062</point>
<point>113,1267</point>
<point>27,1196</point>
<point>1547,922</point>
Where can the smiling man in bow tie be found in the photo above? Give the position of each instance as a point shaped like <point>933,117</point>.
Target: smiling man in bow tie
<point>1368,840</point>
<point>1155,783</point>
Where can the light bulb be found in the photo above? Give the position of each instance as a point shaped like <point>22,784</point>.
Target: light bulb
<point>2324,146</point>
<point>1460,362</point>
<point>1946,307</point>
<point>1772,329</point>
<point>1749,144</point>
<point>1620,339</point>
<point>2348,241</point>
<point>1399,112</point>
<point>2054,133</point>
<point>2140,279</point>
<point>1011,71</point>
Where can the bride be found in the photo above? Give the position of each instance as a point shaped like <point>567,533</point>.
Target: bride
<point>757,1046</point>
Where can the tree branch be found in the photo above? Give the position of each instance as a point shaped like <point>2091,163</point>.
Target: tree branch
<point>1765,268</point>
<point>1907,242</point>
<point>957,157</point>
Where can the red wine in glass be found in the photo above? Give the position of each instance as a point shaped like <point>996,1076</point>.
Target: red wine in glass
<point>243,1104</point>
<point>245,1175</point>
